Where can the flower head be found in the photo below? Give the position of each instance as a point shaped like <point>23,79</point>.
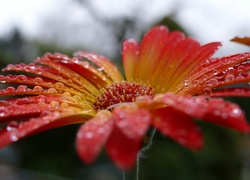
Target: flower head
<point>170,79</point>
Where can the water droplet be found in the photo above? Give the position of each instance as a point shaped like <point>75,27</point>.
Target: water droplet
<point>41,103</point>
<point>64,105</point>
<point>12,125</point>
<point>240,68</point>
<point>229,77</point>
<point>69,81</point>
<point>85,64</point>
<point>59,85</point>
<point>211,82</point>
<point>186,83</point>
<point>180,87</point>
<point>4,103</point>
<point>45,113</point>
<point>23,101</point>
<point>239,77</point>
<point>52,90</point>
<point>3,112</point>
<point>101,130</point>
<point>54,104</point>
<point>217,112</point>
<point>21,78</point>
<point>195,83</point>
<point>10,89</point>
<point>66,94</point>
<point>216,72</point>
<point>37,89</point>
<point>22,88</point>
<point>100,69</point>
<point>13,137</point>
<point>38,80</point>
<point>207,91</point>
<point>236,112</point>
<point>224,115</point>
<point>89,135</point>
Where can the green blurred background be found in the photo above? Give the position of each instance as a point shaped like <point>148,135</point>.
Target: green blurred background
<point>51,155</point>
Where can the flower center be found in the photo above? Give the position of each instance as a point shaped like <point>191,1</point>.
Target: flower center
<point>120,93</point>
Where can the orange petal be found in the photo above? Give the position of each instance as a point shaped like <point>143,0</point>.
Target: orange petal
<point>242,40</point>
<point>178,126</point>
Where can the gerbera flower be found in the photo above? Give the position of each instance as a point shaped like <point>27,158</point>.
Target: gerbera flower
<point>170,79</point>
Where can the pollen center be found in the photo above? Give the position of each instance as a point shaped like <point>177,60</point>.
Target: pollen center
<point>120,93</point>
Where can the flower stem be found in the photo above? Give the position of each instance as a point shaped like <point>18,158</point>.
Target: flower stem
<point>142,151</point>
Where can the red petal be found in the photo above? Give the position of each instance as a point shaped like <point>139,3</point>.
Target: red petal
<point>178,126</point>
<point>122,150</point>
<point>213,110</point>
<point>133,122</point>
<point>93,135</point>
<point>47,120</point>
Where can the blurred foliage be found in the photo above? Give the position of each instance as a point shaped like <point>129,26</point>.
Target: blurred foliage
<point>53,152</point>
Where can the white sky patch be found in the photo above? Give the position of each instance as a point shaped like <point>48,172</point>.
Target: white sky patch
<point>24,14</point>
<point>45,20</point>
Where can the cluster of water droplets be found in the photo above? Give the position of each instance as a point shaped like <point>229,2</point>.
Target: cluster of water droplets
<point>213,78</point>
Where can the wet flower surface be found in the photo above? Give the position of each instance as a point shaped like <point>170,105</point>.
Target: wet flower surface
<point>169,79</point>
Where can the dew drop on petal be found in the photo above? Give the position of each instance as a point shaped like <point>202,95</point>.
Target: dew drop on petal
<point>59,85</point>
<point>23,101</point>
<point>64,105</point>
<point>101,130</point>
<point>4,103</point>
<point>195,83</point>
<point>229,77</point>
<point>10,89</point>
<point>239,77</point>
<point>89,135</point>
<point>236,112</point>
<point>13,136</point>
<point>38,89</point>
<point>38,80</point>
<point>52,90</point>
<point>85,64</point>
<point>100,69</point>
<point>186,83</point>
<point>3,112</point>
<point>66,94</point>
<point>12,125</point>
<point>207,91</point>
<point>22,88</point>
<point>69,81</point>
<point>41,103</point>
<point>54,104</point>
<point>211,82</point>
<point>240,68</point>
<point>21,78</point>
